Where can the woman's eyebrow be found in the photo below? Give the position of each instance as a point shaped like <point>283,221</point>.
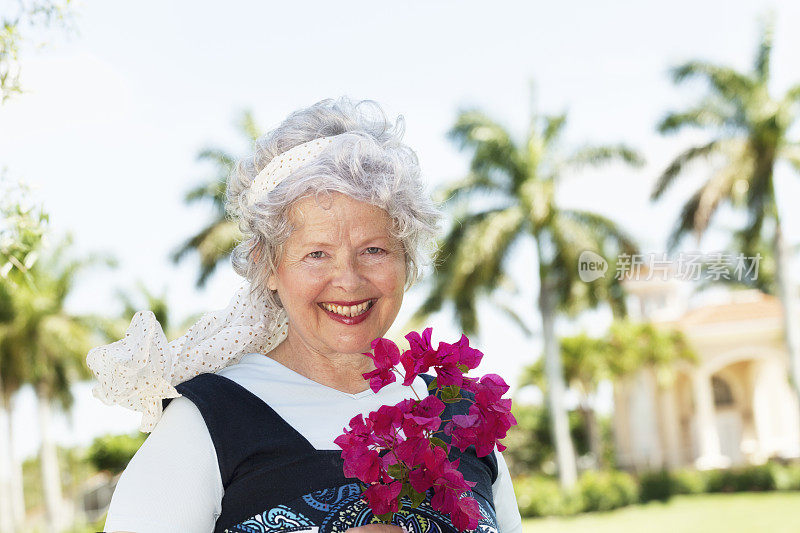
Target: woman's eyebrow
<point>361,242</point>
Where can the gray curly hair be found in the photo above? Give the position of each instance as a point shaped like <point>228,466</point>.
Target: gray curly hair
<point>368,163</point>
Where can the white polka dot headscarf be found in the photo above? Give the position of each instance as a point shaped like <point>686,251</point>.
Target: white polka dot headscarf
<point>141,369</point>
<point>284,164</point>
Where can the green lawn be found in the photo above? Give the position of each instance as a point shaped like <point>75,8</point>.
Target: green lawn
<point>771,512</point>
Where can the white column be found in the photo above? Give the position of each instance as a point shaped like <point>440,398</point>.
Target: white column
<point>708,438</point>
<point>670,426</point>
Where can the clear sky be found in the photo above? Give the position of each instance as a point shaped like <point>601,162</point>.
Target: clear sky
<point>115,114</point>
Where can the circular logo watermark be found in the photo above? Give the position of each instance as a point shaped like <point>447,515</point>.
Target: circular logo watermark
<point>591,266</point>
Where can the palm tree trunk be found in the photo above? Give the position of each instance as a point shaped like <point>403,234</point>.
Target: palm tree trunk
<point>6,510</point>
<point>17,489</point>
<point>786,294</point>
<point>565,454</point>
<point>593,431</point>
<point>51,478</point>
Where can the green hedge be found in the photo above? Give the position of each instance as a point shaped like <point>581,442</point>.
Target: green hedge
<point>595,491</point>
<point>605,490</point>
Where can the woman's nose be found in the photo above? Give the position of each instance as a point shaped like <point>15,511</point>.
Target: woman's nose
<point>348,275</point>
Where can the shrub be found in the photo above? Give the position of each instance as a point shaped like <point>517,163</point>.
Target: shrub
<point>113,452</point>
<point>656,485</point>
<point>787,477</point>
<point>603,491</point>
<point>751,478</point>
<point>542,496</point>
<point>688,482</point>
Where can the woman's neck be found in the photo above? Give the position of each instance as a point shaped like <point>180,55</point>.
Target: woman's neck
<point>340,371</point>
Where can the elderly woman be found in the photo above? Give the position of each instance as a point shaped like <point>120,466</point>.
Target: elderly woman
<point>336,224</point>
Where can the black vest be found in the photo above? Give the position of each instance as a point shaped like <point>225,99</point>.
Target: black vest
<point>275,480</point>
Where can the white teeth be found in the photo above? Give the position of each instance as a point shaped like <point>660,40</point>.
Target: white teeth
<point>348,310</point>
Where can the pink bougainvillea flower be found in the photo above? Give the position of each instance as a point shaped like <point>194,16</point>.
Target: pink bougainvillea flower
<point>469,384</point>
<point>460,353</point>
<point>411,450</point>
<point>426,413</point>
<point>399,438</point>
<point>358,434</point>
<point>483,426</point>
<point>449,487</point>
<point>448,374</point>
<point>420,344</point>
<point>466,514</point>
<point>379,378</point>
<point>464,430</point>
<point>490,388</point>
<point>362,464</point>
<point>432,465</point>
<point>420,357</point>
<point>382,498</point>
<point>385,354</point>
<point>385,421</point>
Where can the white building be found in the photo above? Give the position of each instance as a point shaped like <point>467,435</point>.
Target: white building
<point>736,406</point>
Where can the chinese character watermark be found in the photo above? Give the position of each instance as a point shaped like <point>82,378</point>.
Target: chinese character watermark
<point>686,266</point>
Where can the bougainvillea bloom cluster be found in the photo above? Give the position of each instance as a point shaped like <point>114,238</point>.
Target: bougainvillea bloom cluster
<point>398,451</point>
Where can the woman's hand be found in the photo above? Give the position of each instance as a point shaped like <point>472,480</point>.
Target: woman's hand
<point>377,528</point>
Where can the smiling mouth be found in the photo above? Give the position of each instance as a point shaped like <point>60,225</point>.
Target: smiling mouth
<point>349,310</point>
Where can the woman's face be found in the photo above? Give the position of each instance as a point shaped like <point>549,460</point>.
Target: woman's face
<point>341,276</point>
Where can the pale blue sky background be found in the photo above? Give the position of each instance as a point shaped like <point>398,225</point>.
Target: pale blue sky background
<point>114,116</point>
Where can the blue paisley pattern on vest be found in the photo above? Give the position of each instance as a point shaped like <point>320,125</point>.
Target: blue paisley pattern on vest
<point>337,509</point>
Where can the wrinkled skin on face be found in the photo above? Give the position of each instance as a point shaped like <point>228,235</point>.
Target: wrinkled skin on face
<point>340,252</point>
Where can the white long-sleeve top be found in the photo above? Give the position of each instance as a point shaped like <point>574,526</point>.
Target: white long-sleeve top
<point>173,482</point>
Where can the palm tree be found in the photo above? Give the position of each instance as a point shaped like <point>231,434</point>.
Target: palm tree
<point>586,363</point>
<point>512,186</point>
<point>749,136</point>
<point>216,241</point>
<point>23,228</point>
<point>50,344</point>
<point>625,349</point>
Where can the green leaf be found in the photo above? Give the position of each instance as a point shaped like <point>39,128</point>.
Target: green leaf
<point>436,441</point>
<point>386,517</point>
<point>432,385</point>
<point>464,368</point>
<point>451,392</point>
<point>416,498</point>
<point>397,471</point>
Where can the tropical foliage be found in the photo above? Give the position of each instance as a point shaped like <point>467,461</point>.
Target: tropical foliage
<point>508,195</point>
<point>749,134</point>
<point>215,242</point>
<point>627,348</point>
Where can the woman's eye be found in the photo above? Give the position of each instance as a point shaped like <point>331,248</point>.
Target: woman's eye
<point>374,250</point>
<point>316,255</point>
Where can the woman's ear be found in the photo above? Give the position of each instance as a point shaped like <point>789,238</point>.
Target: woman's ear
<point>272,282</point>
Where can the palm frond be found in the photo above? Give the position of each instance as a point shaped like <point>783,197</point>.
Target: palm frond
<point>469,262</point>
<point>697,212</point>
<point>791,153</point>
<point>554,125</point>
<point>492,146</point>
<point>762,62</point>
<point>727,82</point>
<point>473,183</point>
<point>598,155</point>
<point>213,244</point>
<point>603,228</point>
<point>444,264</point>
<point>679,163</point>
<point>792,96</point>
<point>708,114</point>
<point>248,125</point>
<point>222,159</point>
<point>484,247</point>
